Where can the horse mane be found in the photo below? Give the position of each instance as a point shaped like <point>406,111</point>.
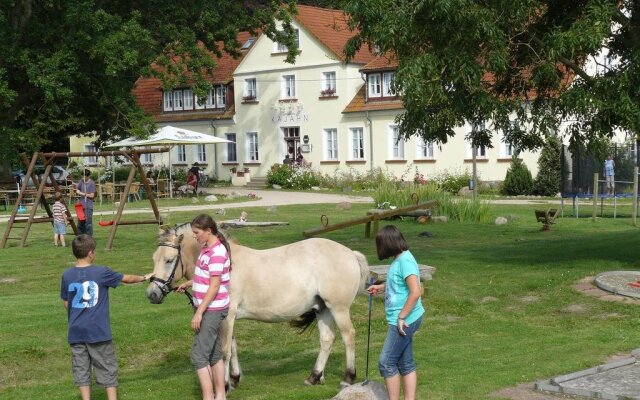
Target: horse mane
<point>177,230</point>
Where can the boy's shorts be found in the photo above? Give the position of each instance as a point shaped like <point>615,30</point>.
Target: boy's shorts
<point>59,228</point>
<point>102,356</point>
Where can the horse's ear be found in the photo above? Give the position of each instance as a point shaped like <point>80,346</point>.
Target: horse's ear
<point>179,239</point>
<point>163,229</point>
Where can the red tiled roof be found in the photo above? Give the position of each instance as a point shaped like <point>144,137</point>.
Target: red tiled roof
<point>148,91</point>
<point>358,103</point>
<point>385,62</point>
<point>330,28</point>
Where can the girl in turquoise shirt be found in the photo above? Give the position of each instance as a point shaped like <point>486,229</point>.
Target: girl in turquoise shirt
<point>404,311</point>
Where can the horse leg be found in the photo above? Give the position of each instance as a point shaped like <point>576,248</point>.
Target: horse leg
<point>327,337</point>
<point>344,324</point>
<point>228,344</point>
<point>235,373</point>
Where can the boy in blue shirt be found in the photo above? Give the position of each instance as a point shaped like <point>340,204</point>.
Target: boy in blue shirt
<point>85,292</point>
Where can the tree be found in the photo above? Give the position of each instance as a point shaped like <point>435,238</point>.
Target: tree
<point>549,176</point>
<point>68,67</point>
<point>471,61</point>
<point>518,180</point>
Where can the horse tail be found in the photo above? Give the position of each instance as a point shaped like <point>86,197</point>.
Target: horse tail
<point>364,271</point>
<point>304,321</point>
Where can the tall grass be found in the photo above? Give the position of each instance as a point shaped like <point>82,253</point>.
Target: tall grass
<point>460,209</point>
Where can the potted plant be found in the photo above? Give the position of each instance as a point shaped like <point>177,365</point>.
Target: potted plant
<point>328,92</point>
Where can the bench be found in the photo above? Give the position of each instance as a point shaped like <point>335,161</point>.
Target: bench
<point>547,217</point>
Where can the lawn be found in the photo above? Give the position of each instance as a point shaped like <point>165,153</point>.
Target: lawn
<point>497,310</point>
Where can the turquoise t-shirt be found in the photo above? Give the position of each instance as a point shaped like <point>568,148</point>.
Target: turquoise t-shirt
<point>397,291</point>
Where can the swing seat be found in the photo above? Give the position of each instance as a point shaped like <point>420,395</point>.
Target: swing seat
<point>105,223</point>
<point>80,212</point>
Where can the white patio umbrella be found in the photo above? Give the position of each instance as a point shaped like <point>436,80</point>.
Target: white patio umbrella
<point>170,135</point>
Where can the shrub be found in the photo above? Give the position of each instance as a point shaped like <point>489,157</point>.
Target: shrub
<point>549,168</point>
<point>279,174</point>
<point>518,180</point>
<point>452,182</point>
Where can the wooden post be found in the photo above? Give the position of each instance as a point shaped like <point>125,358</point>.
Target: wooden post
<point>123,201</point>
<point>634,203</point>
<point>595,197</point>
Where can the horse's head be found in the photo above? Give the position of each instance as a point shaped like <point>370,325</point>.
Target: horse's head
<point>173,259</point>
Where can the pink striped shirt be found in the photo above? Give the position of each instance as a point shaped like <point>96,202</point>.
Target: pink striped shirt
<point>213,261</point>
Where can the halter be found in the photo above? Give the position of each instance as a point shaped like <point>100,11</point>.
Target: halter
<point>165,285</point>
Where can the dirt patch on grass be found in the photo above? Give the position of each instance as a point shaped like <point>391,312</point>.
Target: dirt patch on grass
<point>8,280</point>
<point>525,391</point>
<point>587,287</point>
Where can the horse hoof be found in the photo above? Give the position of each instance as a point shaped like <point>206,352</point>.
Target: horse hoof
<point>235,381</point>
<point>314,378</point>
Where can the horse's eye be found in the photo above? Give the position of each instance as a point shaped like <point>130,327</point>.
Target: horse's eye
<point>170,261</point>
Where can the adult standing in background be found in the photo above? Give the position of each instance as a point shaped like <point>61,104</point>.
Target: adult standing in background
<point>195,171</point>
<point>86,189</point>
<point>609,174</point>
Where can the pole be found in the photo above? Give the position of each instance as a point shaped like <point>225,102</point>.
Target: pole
<point>595,197</point>
<point>366,374</point>
<point>474,154</point>
<point>634,203</point>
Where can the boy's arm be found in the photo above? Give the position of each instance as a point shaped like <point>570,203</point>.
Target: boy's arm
<point>136,278</point>
<point>66,304</point>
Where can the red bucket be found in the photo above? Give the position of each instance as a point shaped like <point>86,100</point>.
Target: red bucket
<point>80,212</point>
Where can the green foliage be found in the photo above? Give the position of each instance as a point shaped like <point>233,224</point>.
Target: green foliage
<point>279,174</point>
<point>518,180</point>
<point>549,176</point>
<point>351,179</point>
<point>452,182</point>
<point>459,63</point>
<point>68,68</point>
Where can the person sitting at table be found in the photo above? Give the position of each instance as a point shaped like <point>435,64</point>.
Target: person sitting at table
<point>150,178</point>
<point>192,180</point>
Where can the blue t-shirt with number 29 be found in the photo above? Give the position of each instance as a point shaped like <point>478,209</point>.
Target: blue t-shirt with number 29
<point>86,289</point>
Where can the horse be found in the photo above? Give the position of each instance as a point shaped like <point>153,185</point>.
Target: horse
<point>313,279</point>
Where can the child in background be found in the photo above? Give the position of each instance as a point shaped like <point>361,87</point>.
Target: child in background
<point>85,292</point>
<point>59,220</point>
<point>404,311</point>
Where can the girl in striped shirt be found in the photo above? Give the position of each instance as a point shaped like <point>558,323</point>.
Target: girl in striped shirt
<point>59,220</point>
<point>210,286</point>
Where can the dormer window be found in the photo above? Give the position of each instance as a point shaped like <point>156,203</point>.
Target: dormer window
<point>387,84</point>
<point>374,85</point>
<point>186,100</point>
<point>282,48</point>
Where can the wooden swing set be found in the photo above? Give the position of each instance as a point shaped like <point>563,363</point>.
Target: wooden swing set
<point>47,159</point>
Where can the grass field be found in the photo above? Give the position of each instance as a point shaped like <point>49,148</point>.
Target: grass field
<point>497,310</point>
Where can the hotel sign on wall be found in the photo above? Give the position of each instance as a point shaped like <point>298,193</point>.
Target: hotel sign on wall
<point>288,112</point>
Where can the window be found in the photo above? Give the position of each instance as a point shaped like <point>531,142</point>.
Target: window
<point>177,100</point>
<point>221,96</point>
<point>90,160</point>
<point>231,148</point>
<point>357,143</point>
<point>199,103</point>
<point>250,89</point>
<point>328,83</point>
<point>288,87</point>
<point>248,43</point>
<point>481,152</point>
<point>424,150</point>
<point>182,153</point>
<point>252,146</point>
<point>187,95</point>
<point>201,153</point>
<point>147,158</point>
<point>282,48</point>
<point>211,103</point>
<point>331,142</point>
<point>374,85</point>
<point>387,84</point>
<point>397,143</point>
<point>168,101</point>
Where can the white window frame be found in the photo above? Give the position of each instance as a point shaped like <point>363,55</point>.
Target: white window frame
<point>201,153</point>
<point>329,81</point>
<point>187,96</point>
<point>282,48</point>
<point>374,85</point>
<point>253,144</point>
<point>397,143</point>
<point>231,150</point>
<point>168,101</point>
<point>197,104</point>
<point>425,150</point>
<point>250,88</point>
<point>331,144</point>
<point>181,151</point>
<point>178,103</point>
<point>147,159</point>
<point>210,103</point>
<point>356,143</point>
<point>482,152</point>
<point>90,160</point>
<point>221,96</point>
<point>387,83</point>
<point>288,89</point>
